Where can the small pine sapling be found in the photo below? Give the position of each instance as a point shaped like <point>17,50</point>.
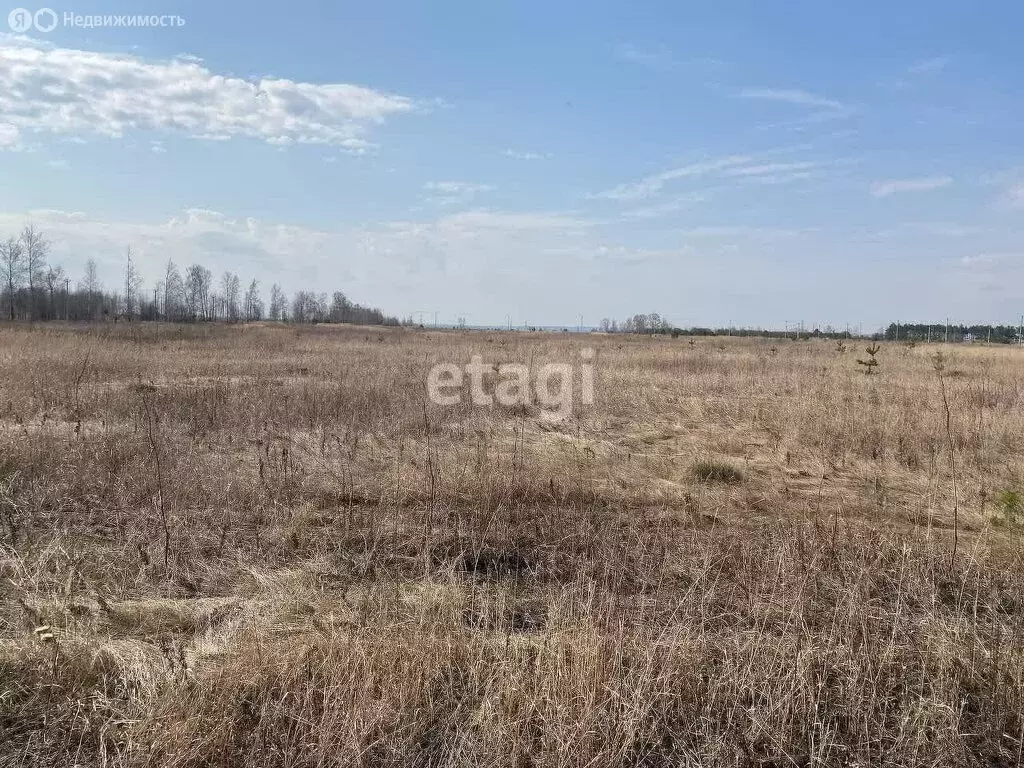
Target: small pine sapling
<point>871,363</point>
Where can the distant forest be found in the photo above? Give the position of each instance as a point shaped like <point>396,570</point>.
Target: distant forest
<point>33,288</point>
<point>654,323</point>
<point>997,334</point>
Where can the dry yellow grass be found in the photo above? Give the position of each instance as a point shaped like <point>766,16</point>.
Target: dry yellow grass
<point>263,546</point>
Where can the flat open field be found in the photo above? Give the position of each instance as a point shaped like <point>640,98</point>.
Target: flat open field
<point>264,546</point>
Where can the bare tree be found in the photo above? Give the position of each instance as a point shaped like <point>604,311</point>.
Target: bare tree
<point>230,288</point>
<point>310,307</point>
<point>174,292</point>
<point>197,292</point>
<point>132,285</point>
<point>92,287</point>
<point>278,303</point>
<point>340,308</point>
<point>253,302</point>
<point>36,250</point>
<point>12,261</point>
<point>54,279</point>
<point>300,305</point>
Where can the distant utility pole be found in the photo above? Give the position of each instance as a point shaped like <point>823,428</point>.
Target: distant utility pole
<point>945,338</point>
<point>581,323</point>
<point>897,331</point>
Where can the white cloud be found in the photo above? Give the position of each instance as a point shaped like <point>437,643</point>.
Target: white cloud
<point>825,109</point>
<point>650,185</point>
<point>1011,180</point>
<point>792,96</point>
<point>942,229</point>
<point>73,92</point>
<point>915,72</point>
<point>1015,196</point>
<point>673,205</point>
<point>660,57</point>
<point>732,167</point>
<point>985,260</point>
<point>517,155</point>
<point>9,135</point>
<point>732,232</point>
<point>635,190</point>
<point>771,169</point>
<point>619,253</point>
<point>454,192</point>
<point>513,222</point>
<point>787,173</point>
<point>453,186</point>
<point>782,178</point>
<point>895,186</point>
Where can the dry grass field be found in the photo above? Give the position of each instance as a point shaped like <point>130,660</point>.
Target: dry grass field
<point>263,546</point>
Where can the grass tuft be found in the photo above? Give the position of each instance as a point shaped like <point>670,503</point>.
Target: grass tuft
<point>712,471</point>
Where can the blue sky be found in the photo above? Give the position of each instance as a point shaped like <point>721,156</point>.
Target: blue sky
<point>749,163</point>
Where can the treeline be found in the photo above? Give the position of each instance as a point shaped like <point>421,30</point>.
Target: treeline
<point>997,334</point>
<point>654,323</point>
<point>796,333</point>
<point>35,289</point>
